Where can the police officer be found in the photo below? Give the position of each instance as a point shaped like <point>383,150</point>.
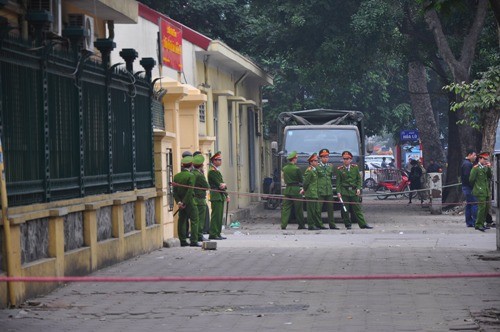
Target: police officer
<point>480,177</point>
<point>349,190</point>
<point>217,197</point>
<point>325,191</point>
<point>200,195</point>
<point>310,191</point>
<point>292,175</point>
<point>183,195</point>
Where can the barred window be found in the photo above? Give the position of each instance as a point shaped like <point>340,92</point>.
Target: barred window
<point>201,111</point>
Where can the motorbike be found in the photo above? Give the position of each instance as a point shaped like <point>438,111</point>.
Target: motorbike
<point>393,182</point>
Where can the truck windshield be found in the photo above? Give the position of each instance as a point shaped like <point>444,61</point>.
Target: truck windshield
<point>336,140</point>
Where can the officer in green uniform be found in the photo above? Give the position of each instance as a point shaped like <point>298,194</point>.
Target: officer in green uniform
<point>310,192</point>
<point>292,176</point>
<point>325,191</point>
<point>348,190</point>
<point>217,197</point>
<point>480,177</point>
<point>183,196</point>
<point>200,195</point>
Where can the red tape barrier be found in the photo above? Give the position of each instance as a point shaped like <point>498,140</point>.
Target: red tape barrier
<point>251,278</point>
<point>282,197</point>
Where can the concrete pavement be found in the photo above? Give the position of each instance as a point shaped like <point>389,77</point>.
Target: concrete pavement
<point>406,240</point>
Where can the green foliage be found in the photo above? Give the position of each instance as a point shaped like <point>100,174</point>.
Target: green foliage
<point>481,94</point>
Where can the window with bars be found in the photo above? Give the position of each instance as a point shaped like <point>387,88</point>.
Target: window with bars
<point>201,112</point>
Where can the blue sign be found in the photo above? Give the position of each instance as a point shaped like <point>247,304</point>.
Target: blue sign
<point>409,135</point>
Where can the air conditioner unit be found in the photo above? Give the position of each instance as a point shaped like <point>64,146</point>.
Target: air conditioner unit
<point>87,24</point>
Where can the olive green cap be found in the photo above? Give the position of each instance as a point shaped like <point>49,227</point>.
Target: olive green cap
<point>187,160</point>
<point>198,159</point>
<point>292,155</point>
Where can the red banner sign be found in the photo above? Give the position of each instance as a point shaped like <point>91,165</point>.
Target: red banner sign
<point>171,45</point>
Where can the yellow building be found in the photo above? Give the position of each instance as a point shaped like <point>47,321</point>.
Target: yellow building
<point>86,174</point>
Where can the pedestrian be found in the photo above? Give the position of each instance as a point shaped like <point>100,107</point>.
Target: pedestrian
<point>183,196</point>
<point>292,175</point>
<point>310,191</point>
<point>392,164</point>
<point>200,192</point>
<point>218,196</point>
<point>325,188</point>
<point>383,164</point>
<point>480,177</point>
<point>470,199</point>
<point>348,190</point>
<point>415,180</point>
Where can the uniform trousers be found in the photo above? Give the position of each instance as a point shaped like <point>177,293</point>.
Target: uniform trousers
<point>353,211</point>
<point>216,219</point>
<point>189,212</point>
<point>292,202</point>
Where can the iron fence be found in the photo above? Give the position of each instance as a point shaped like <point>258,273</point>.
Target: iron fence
<point>71,127</point>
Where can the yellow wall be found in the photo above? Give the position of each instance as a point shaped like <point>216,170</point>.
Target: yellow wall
<point>93,255</point>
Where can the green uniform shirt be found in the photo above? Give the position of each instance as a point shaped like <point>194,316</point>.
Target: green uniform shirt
<point>348,181</point>
<point>480,177</point>
<point>293,179</point>
<point>325,179</point>
<point>181,193</point>
<point>311,183</point>
<point>215,180</point>
<point>200,195</point>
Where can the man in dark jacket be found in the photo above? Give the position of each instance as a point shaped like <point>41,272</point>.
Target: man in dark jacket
<point>470,199</point>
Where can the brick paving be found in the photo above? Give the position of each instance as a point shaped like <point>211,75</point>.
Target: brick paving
<point>406,240</point>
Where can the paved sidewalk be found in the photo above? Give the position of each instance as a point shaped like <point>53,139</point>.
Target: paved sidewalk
<point>406,240</point>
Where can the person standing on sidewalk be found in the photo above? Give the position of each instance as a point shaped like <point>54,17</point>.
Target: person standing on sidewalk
<point>200,195</point>
<point>292,198</point>
<point>183,196</point>
<point>470,200</point>
<point>325,191</point>
<point>348,190</point>
<point>310,192</point>
<point>217,197</point>
<point>415,183</point>
<point>480,177</point>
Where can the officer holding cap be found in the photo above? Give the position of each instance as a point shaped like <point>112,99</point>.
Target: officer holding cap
<point>292,176</point>
<point>310,192</point>
<point>325,191</point>
<point>348,190</point>
<point>480,177</point>
<point>183,196</point>
<point>217,197</point>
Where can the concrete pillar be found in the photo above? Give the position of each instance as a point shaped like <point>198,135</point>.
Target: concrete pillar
<point>118,227</point>
<point>436,192</point>
<point>140,219</point>
<point>90,233</point>
<point>56,239</point>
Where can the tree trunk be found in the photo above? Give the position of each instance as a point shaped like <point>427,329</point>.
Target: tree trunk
<point>422,111</point>
<point>459,137</point>
<point>489,123</point>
